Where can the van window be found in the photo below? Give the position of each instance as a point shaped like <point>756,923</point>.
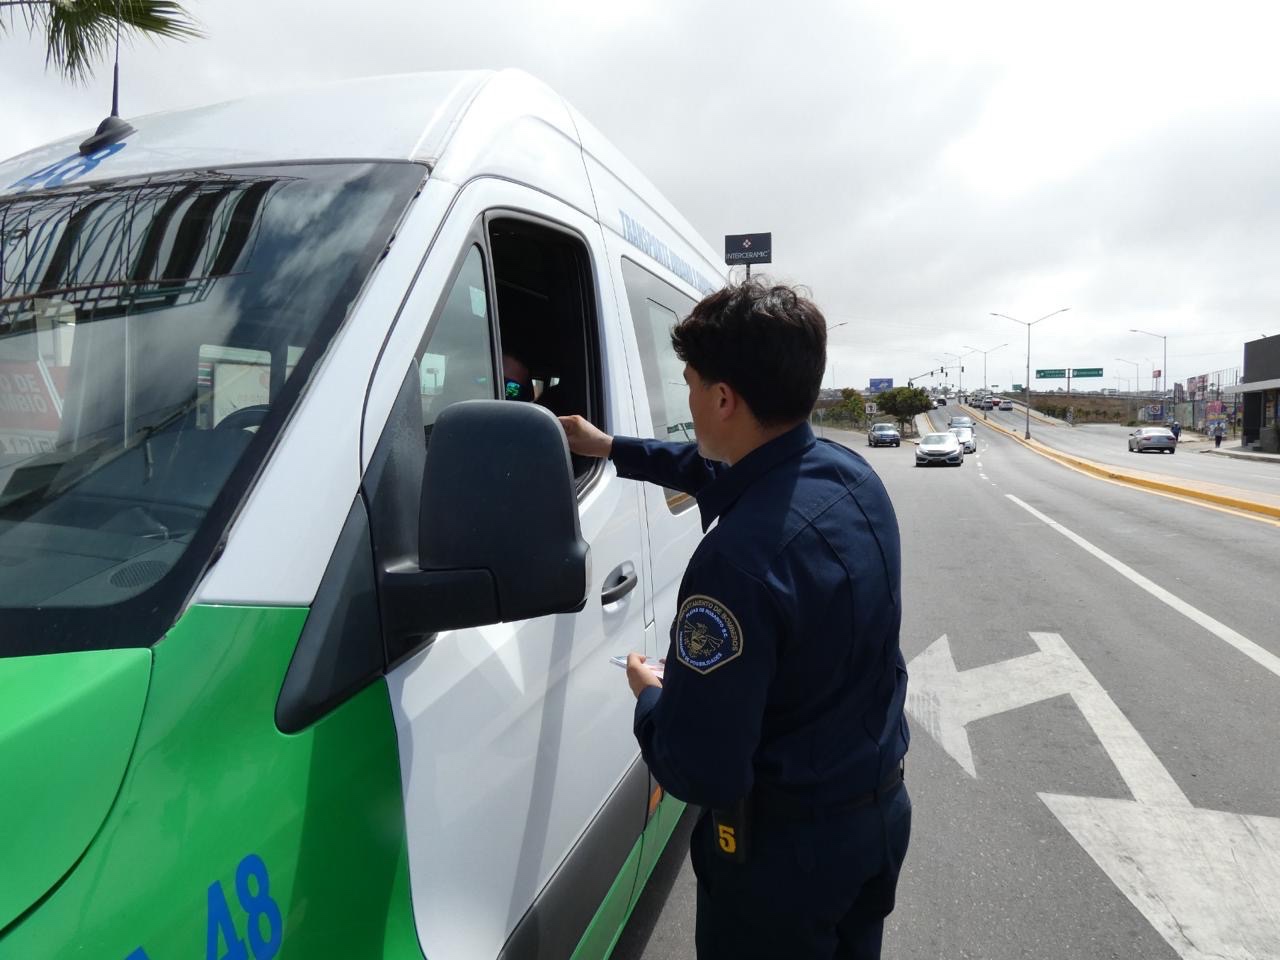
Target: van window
<point>455,361</point>
<point>549,346</point>
<point>153,331</point>
<point>656,307</point>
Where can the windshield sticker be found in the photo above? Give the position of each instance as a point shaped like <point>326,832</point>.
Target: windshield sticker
<point>65,170</point>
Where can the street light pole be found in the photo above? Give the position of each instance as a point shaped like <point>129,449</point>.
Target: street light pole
<point>1136,376</point>
<point>1164,371</point>
<point>984,359</point>
<point>1026,395</point>
<point>960,363</point>
<point>830,327</point>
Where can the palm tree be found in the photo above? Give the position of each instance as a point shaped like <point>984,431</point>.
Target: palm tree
<point>78,33</point>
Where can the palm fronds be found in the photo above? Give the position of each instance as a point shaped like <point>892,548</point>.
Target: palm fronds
<point>81,33</point>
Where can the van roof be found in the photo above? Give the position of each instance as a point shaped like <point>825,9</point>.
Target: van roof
<point>488,122</point>
<point>406,117</point>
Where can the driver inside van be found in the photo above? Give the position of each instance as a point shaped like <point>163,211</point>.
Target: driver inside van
<point>517,382</point>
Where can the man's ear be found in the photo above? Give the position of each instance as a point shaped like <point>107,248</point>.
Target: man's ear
<point>727,400</point>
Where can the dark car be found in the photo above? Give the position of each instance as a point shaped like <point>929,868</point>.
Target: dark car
<point>884,435</point>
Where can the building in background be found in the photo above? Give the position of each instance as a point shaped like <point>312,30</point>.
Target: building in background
<point>1260,393</point>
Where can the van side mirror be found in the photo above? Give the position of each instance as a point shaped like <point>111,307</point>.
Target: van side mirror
<point>498,532</point>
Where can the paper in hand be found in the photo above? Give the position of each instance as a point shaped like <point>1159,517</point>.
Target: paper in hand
<point>656,667</point>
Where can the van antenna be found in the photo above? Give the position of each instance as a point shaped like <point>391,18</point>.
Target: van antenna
<point>112,129</point>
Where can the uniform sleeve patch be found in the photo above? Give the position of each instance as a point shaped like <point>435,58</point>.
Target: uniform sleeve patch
<point>707,634</point>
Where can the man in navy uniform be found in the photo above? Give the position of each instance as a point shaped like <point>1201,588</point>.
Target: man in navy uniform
<point>781,713</point>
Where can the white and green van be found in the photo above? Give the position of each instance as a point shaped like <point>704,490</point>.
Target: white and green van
<point>305,634</point>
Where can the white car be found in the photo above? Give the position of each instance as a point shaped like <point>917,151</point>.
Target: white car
<point>941,448</point>
<point>967,440</point>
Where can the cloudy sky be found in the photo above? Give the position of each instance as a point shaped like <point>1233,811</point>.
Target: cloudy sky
<point>921,165</point>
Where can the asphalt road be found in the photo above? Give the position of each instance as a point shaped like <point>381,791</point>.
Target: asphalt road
<point>1122,800</point>
<point>1109,443</point>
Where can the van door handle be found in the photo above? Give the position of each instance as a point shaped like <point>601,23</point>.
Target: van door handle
<point>624,585</point>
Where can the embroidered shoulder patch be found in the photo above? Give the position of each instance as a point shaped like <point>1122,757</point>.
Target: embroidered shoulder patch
<point>707,634</point>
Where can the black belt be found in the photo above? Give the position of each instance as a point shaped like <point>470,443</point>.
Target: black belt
<point>768,802</point>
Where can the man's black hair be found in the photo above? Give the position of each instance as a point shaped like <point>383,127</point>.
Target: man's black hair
<point>768,342</point>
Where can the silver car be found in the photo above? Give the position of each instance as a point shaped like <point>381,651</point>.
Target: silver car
<point>941,448</point>
<point>967,440</point>
<point>1159,439</point>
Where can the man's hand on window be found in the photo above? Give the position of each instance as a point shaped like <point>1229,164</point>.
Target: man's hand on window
<point>585,439</point>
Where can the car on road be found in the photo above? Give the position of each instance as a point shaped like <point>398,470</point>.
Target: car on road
<point>884,435</point>
<point>939,448</point>
<point>988,403</point>
<point>968,442</point>
<point>1006,404</point>
<point>1152,438</point>
<point>959,421</point>
<point>941,402</point>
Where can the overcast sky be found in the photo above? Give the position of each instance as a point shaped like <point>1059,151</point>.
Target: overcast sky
<point>920,164</point>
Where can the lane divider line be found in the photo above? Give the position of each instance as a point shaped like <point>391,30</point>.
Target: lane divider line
<point>1260,655</point>
<point>1119,476</point>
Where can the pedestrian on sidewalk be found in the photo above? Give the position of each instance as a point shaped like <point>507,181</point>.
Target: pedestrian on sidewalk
<point>1176,430</point>
<point>1218,431</point>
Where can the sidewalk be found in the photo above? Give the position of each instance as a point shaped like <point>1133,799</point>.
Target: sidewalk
<point>1239,453</point>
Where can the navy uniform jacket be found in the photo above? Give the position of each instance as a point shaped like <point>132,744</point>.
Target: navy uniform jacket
<point>784,671</point>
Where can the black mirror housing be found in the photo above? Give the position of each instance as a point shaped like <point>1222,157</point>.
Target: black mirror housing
<point>498,531</point>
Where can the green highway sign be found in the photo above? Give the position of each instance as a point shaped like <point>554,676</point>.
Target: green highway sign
<point>1087,372</point>
<point>1051,374</point>
<point>1017,388</point>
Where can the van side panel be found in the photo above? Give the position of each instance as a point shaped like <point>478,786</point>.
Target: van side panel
<point>226,831</point>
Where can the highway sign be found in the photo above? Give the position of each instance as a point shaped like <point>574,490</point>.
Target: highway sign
<point>1017,388</point>
<point>1058,374</point>
<point>1087,372</point>
<point>881,384</point>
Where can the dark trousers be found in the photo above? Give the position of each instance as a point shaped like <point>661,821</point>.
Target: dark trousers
<point>811,890</point>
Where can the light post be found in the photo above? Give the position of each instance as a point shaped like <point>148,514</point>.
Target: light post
<point>1136,377</point>
<point>959,357</point>
<point>1026,396</point>
<point>830,327</point>
<point>1164,371</point>
<point>984,359</point>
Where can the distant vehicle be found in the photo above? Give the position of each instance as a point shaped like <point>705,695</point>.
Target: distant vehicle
<point>942,402</point>
<point>1006,404</point>
<point>967,440</point>
<point>988,403</point>
<point>959,421</point>
<point>1152,438</point>
<point>884,435</point>
<point>939,448</point>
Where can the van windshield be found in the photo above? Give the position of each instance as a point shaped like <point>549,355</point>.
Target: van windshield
<point>154,333</point>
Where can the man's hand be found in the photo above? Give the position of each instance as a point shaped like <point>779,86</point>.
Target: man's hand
<point>639,676</point>
<point>586,439</point>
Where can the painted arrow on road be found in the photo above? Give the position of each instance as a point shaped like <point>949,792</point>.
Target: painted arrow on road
<point>1206,880</point>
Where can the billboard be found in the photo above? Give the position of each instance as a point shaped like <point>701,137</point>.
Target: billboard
<point>881,384</point>
<point>748,248</point>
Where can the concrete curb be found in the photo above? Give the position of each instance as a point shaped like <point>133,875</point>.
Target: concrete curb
<point>1115,473</point>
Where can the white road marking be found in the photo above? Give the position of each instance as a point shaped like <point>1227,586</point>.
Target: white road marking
<point>945,701</point>
<point>1260,655</point>
<point>1207,881</point>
